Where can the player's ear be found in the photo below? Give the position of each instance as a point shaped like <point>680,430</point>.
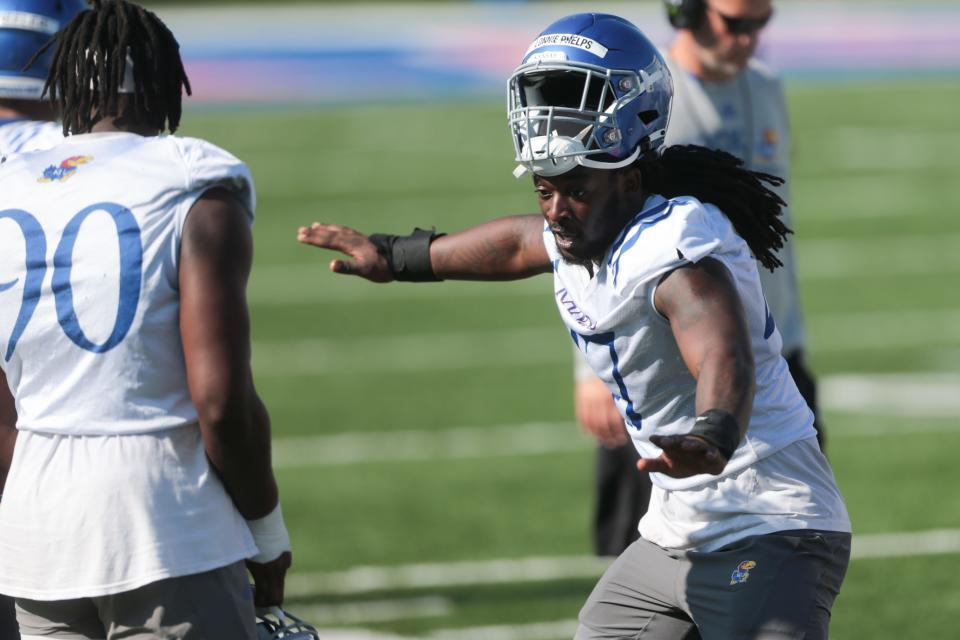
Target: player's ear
<point>631,179</point>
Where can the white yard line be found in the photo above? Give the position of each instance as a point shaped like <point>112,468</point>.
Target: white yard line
<point>449,574</point>
<point>819,258</point>
<point>876,256</point>
<point>918,395</point>
<point>419,352</point>
<point>375,611</point>
<point>870,330</point>
<point>552,630</point>
<point>544,569</point>
<point>460,350</point>
<point>424,576</point>
<point>313,283</point>
<point>862,149</point>
<point>915,395</point>
<point>459,442</point>
<point>852,196</point>
<point>529,631</point>
<point>914,543</point>
<point>358,634</point>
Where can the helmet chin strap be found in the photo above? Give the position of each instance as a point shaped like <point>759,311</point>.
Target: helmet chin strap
<point>564,154</point>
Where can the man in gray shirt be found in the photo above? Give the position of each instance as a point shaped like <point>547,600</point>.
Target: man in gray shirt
<point>726,99</point>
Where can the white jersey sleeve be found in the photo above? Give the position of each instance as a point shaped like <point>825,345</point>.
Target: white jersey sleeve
<point>674,233</point>
<point>21,136</point>
<point>207,166</point>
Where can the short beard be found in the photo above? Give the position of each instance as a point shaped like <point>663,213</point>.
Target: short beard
<point>608,226</point>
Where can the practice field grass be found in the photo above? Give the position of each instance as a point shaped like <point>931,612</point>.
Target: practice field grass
<point>432,423</point>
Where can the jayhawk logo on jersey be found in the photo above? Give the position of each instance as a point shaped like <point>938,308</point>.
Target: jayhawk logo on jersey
<point>742,573</point>
<point>766,148</point>
<point>66,169</point>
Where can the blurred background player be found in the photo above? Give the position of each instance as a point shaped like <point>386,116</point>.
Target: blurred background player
<point>141,479</point>
<point>724,98</point>
<point>27,121</point>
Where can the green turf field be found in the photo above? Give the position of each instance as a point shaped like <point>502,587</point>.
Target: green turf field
<point>432,423</point>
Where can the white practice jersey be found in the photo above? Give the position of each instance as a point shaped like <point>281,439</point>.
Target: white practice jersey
<point>110,488</point>
<point>747,117</point>
<point>631,347</point>
<point>21,136</point>
<point>89,249</point>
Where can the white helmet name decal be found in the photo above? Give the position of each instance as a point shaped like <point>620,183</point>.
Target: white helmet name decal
<point>28,22</point>
<point>570,40</point>
<point>547,56</point>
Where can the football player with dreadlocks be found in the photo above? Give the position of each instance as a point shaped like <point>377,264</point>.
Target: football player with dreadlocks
<point>724,98</point>
<point>134,450</point>
<point>654,252</point>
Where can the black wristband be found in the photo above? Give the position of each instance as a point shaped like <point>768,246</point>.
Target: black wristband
<point>720,429</point>
<point>408,256</point>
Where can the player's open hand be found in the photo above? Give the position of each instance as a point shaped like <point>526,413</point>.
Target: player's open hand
<point>683,456</point>
<point>366,261</point>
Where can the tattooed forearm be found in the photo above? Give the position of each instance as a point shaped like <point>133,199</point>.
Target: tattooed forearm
<point>709,324</point>
<point>502,249</point>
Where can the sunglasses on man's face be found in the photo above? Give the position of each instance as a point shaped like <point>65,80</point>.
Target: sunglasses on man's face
<point>740,26</point>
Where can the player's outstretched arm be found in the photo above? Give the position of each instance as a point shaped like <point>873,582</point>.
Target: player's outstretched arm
<point>708,321</point>
<point>507,248</point>
<point>216,252</point>
<point>8,429</point>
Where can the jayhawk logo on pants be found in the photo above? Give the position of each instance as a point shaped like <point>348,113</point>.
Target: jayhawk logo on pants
<point>66,169</point>
<point>742,572</point>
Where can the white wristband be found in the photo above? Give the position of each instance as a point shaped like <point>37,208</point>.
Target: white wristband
<point>270,535</point>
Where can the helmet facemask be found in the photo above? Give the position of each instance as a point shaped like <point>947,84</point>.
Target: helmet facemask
<point>565,114</point>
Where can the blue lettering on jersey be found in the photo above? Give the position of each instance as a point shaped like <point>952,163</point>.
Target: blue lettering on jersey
<point>36,267</point>
<point>770,326</point>
<point>131,268</point>
<point>634,419</point>
<point>581,318</point>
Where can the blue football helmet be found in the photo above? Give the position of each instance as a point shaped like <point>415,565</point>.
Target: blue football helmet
<point>591,91</point>
<point>277,624</point>
<point>25,26</point>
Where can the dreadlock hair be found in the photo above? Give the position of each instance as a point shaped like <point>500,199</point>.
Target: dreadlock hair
<point>87,71</point>
<point>719,178</point>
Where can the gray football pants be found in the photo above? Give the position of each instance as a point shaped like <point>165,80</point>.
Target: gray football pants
<point>215,605</point>
<point>773,587</point>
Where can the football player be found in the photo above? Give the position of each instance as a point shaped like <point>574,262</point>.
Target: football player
<point>27,121</point>
<point>141,479</point>
<point>654,252</point>
<point>724,98</point>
